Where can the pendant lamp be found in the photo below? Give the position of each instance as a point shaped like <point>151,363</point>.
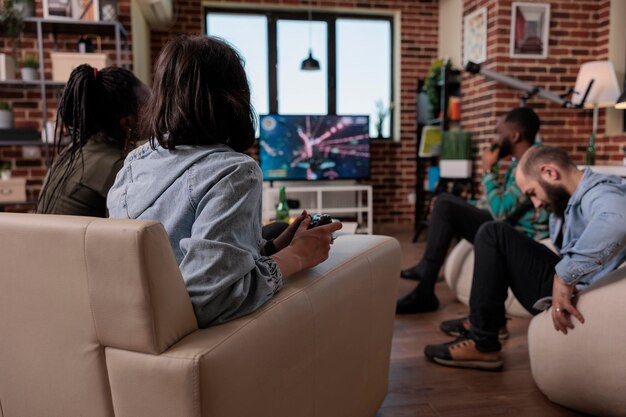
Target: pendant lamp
<point>310,63</point>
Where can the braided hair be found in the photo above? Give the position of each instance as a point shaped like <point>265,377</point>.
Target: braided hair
<point>93,101</point>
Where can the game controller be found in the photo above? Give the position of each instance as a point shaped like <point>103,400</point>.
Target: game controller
<point>319,220</point>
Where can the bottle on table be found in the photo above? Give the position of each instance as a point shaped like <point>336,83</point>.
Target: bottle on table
<point>282,209</point>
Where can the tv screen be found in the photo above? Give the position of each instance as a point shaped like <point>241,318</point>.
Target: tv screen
<point>314,147</point>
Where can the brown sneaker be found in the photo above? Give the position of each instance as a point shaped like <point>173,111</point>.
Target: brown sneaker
<point>463,353</point>
<point>460,327</point>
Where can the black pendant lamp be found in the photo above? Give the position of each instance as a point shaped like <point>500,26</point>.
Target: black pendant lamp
<point>310,63</point>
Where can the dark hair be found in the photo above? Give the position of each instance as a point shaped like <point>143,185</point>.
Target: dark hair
<point>525,121</point>
<point>540,155</point>
<point>92,101</point>
<point>200,96</point>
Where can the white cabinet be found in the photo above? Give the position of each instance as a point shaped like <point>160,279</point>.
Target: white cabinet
<point>337,200</point>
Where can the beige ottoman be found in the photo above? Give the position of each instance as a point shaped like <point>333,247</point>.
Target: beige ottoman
<point>585,369</point>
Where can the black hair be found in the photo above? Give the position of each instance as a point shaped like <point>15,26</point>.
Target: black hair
<point>92,101</point>
<point>200,96</point>
<point>526,121</point>
<point>540,155</point>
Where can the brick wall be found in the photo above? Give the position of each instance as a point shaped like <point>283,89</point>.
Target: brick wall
<point>578,33</point>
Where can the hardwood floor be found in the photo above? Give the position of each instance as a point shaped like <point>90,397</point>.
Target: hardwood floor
<point>420,388</point>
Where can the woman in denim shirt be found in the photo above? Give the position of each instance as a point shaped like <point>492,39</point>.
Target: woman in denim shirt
<point>193,178</point>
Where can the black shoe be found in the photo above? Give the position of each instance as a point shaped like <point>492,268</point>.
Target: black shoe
<point>414,302</point>
<point>460,328</point>
<point>412,273</point>
<point>463,353</point>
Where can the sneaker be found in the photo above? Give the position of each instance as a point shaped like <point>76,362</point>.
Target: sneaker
<point>414,302</point>
<point>462,353</point>
<point>460,328</point>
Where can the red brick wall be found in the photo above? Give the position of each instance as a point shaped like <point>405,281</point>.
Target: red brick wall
<point>393,166</point>
<point>578,33</point>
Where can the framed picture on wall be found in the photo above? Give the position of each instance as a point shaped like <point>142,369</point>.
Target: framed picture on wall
<point>88,10</point>
<point>475,36</point>
<point>530,28</point>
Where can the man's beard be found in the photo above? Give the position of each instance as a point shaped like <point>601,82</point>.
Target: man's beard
<point>558,197</point>
<point>505,148</point>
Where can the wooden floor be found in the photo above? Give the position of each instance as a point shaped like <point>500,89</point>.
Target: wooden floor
<point>420,388</point>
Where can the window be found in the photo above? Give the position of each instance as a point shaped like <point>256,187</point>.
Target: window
<point>355,53</point>
<point>302,92</point>
<point>248,34</point>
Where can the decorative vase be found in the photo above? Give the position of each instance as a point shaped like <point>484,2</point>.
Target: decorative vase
<point>6,119</point>
<point>29,74</point>
<point>5,174</point>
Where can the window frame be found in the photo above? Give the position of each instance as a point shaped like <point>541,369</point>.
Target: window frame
<point>330,17</point>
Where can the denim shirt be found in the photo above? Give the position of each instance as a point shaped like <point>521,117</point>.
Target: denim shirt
<point>208,198</point>
<point>594,229</point>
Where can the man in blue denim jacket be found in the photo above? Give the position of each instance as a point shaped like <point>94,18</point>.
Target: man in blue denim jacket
<point>587,226</point>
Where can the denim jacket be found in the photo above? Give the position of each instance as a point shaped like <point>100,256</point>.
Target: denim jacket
<point>208,198</point>
<point>594,229</point>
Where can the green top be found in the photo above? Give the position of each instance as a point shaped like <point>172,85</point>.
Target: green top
<point>508,203</point>
<point>85,190</point>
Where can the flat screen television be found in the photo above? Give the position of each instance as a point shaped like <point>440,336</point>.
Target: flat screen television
<point>314,147</point>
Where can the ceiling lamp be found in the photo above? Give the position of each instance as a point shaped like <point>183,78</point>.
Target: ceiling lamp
<point>310,63</point>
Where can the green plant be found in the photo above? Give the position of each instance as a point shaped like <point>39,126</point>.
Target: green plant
<point>30,61</point>
<point>432,87</point>
<point>5,165</point>
<point>381,115</point>
<point>11,24</point>
<point>4,105</point>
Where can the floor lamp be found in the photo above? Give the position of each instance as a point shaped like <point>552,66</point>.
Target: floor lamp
<point>604,93</point>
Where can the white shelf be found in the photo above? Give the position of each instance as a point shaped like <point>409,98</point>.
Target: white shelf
<point>324,199</point>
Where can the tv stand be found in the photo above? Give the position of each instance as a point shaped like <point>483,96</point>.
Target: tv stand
<point>331,199</point>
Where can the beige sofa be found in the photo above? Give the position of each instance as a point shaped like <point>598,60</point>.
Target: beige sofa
<point>95,321</point>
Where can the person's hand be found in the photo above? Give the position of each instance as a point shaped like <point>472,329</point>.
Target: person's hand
<point>313,245</point>
<point>490,157</point>
<point>285,238</point>
<point>307,248</point>
<point>562,306</point>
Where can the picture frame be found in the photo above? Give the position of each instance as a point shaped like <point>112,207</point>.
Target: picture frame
<point>530,30</point>
<point>85,10</point>
<point>475,36</point>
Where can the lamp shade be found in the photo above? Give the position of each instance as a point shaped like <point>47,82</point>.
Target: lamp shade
<point>605,90</point>
<point>310,63</point>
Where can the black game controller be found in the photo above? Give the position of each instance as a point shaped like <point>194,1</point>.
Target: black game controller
<point>319,220</point>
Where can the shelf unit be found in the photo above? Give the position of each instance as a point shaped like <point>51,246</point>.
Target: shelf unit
<point>448,85</point>
<point>56,27</point>
<point>322,196</point>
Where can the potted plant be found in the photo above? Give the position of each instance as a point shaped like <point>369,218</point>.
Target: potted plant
<point>381,115</point>
<point>11,24</point>
<point>6,115</point>
<point>5,170</point>
<point>30,68</point>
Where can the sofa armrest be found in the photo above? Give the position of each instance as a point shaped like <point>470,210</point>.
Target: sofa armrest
<point>320,347</point>
<point>585,369</point>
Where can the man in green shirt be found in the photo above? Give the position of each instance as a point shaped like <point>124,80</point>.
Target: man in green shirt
<point>503,201</point>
